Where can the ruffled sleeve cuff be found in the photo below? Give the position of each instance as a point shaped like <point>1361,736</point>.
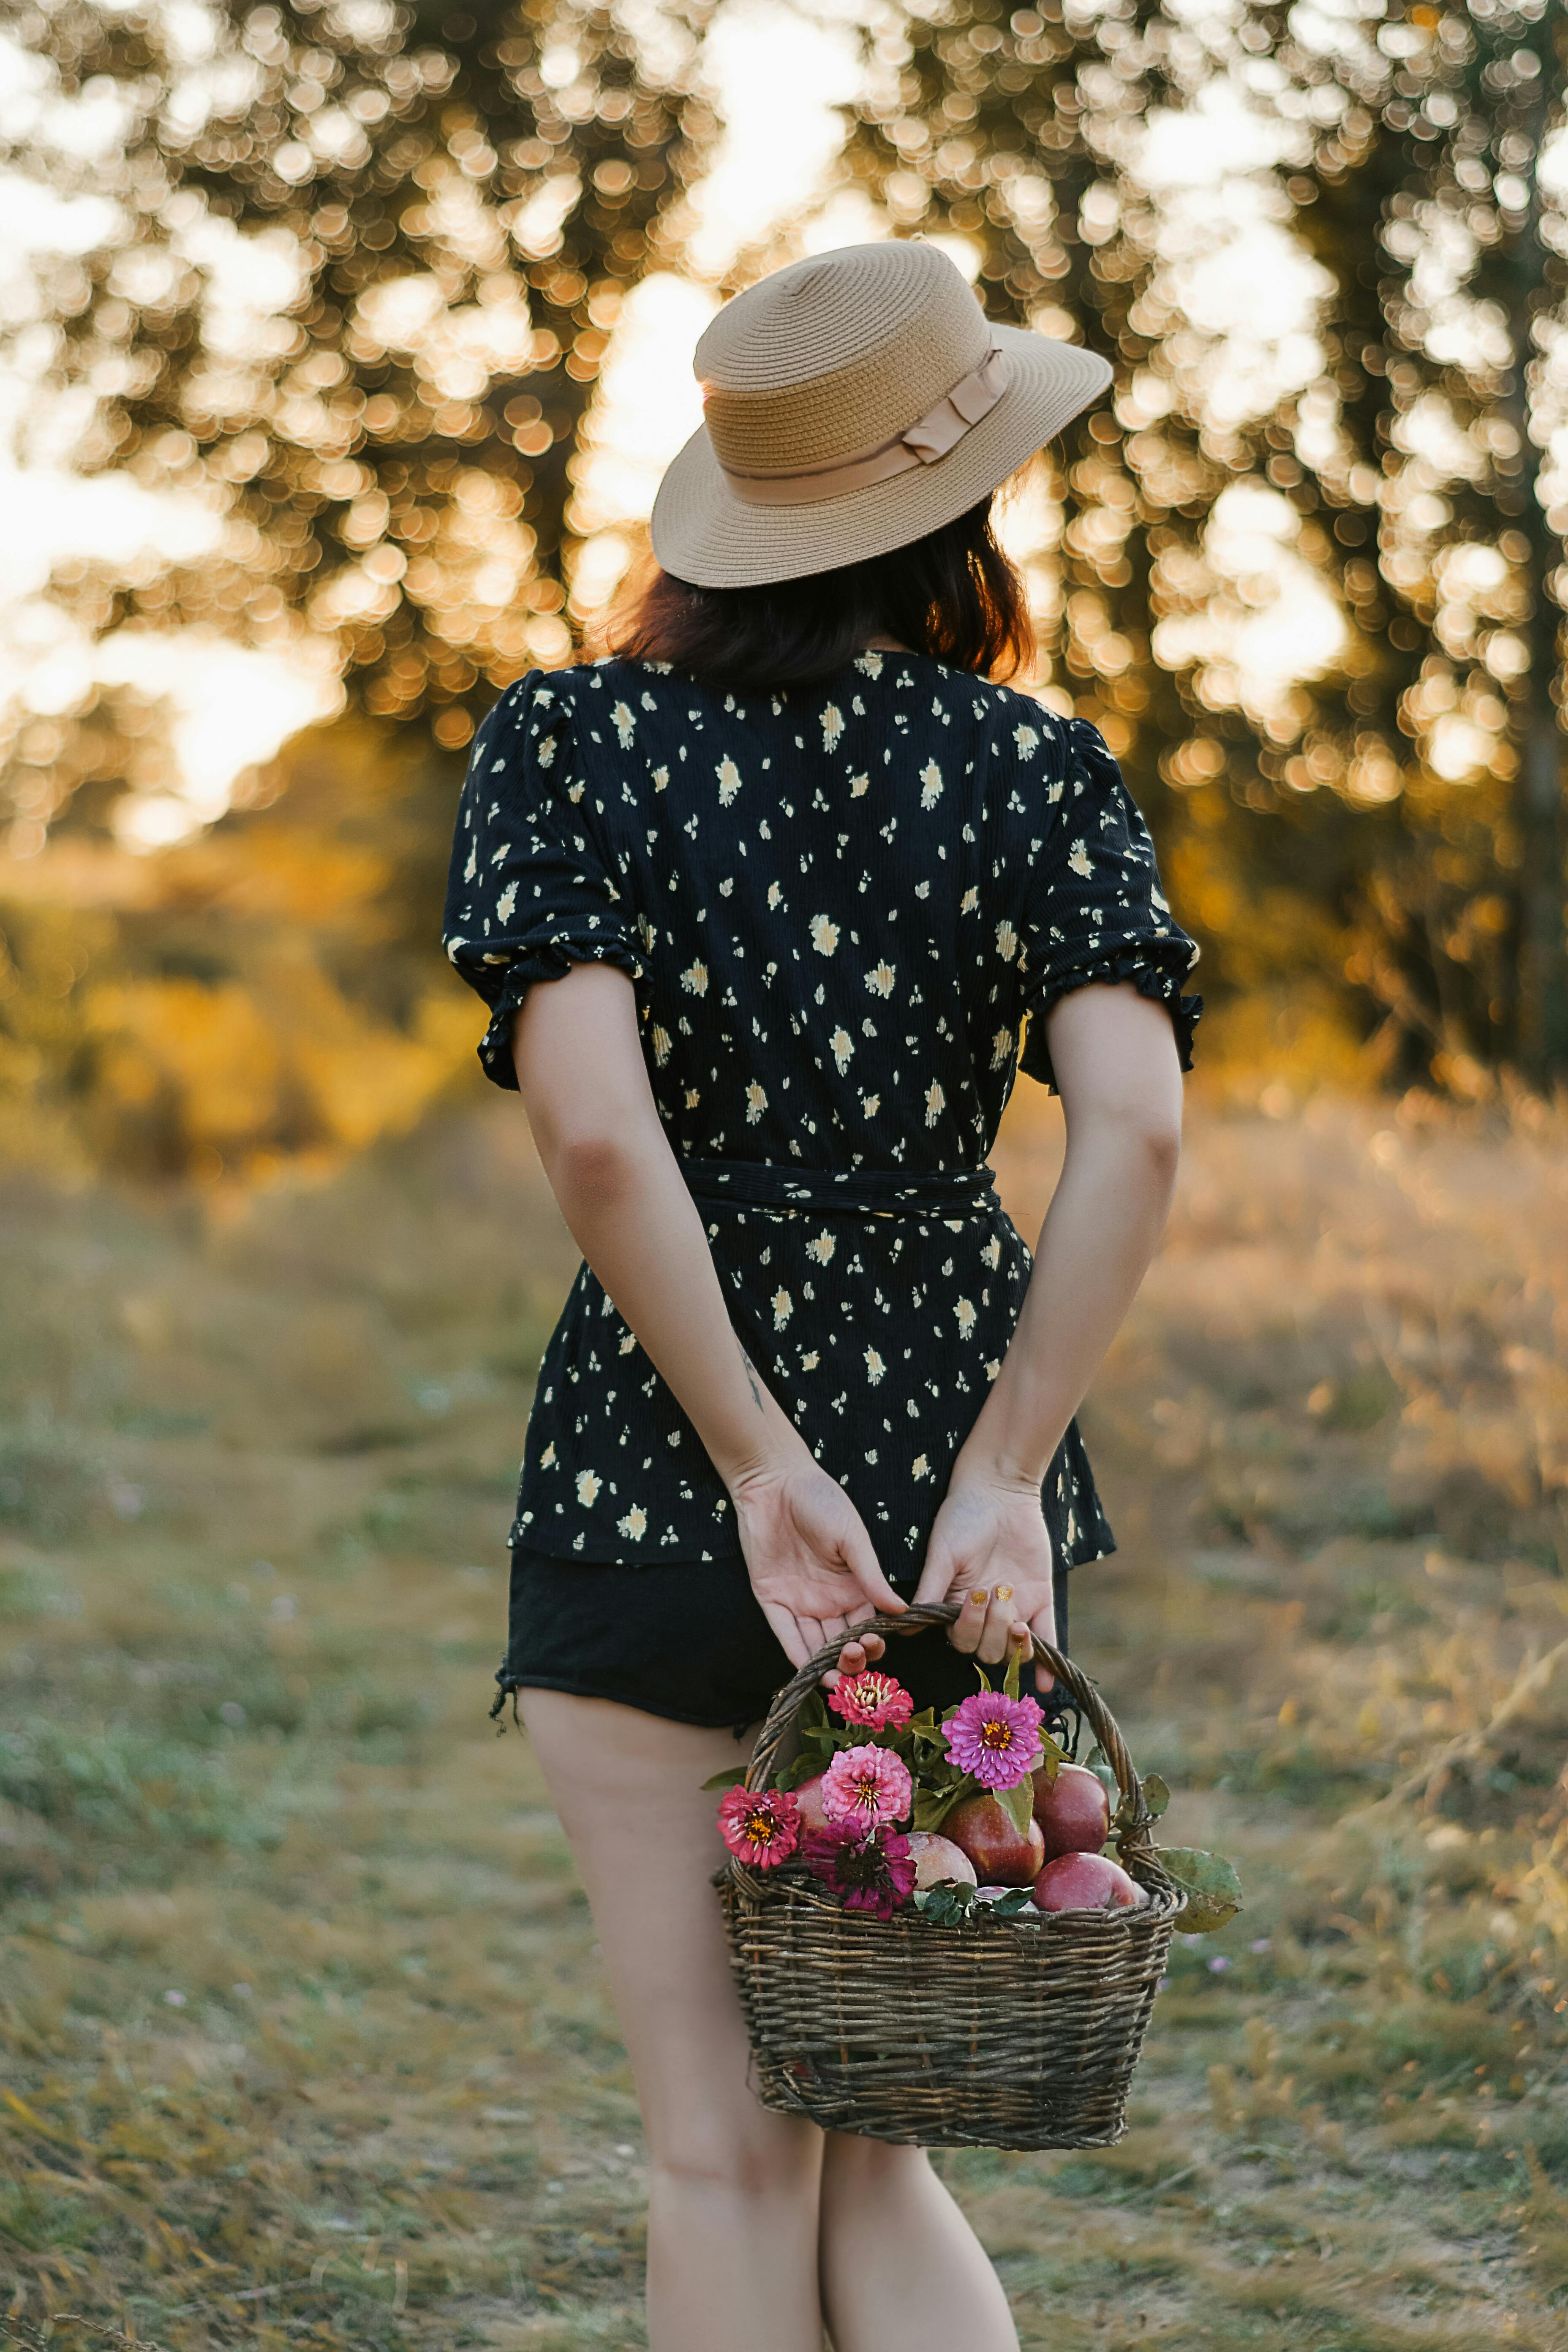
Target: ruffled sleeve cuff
<point>549,959</point>
<point>1155,968</point>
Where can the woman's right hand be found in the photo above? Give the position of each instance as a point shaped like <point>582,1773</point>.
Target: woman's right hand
<point>813,1566</point>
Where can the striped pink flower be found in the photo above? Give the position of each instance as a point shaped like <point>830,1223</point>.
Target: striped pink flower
<point>865,1786</point>
<point>872,1699</point>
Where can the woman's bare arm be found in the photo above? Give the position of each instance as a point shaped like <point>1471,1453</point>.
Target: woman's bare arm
<point>584,1084</point>
<point>1116,1065</point>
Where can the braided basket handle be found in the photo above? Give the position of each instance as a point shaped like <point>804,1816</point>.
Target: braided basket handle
<point>921,1614</point>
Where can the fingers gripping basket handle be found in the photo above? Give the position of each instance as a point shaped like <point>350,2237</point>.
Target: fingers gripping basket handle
<point>1137,1821</point>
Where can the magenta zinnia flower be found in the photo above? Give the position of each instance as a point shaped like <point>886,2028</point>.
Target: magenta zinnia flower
<point>995,1738</point>
<point>865,1786</point>
<point>871,1698</point>
<point>761,1826</point>
<point>873,1873</point>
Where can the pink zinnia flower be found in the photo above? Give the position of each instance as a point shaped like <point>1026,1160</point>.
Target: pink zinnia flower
<point>995,1738</point>
<point>761,1826</point>
<point>873,1873</point>
<point>871,1698</point>
<point>865,1786</point>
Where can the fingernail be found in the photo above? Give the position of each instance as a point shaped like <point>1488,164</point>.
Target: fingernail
<point>1003,1593</point>
<point>979,1596</point>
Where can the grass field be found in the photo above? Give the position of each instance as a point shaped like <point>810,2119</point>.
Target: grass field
<point>306,2041</point>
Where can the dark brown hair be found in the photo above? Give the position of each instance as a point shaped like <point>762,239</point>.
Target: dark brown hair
<point>952,594</point>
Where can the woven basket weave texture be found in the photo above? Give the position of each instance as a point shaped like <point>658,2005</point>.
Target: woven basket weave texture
<point>989,2034</point>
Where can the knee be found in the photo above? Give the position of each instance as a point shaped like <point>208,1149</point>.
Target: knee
<point>764,2163</point>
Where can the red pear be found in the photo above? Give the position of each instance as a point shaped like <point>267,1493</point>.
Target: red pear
<point>1086,1881</point>
<point>937,1858</point>
<point>1073,1811</point>
<point>808,1797</point>
<point>1002,1855</point>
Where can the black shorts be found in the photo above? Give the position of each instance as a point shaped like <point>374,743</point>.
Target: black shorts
<point>687,1639</point>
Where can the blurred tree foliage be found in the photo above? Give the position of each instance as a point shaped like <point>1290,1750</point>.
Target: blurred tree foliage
<point>1425,458</point>
<point>368,256</point>
<point>1398,821</point>
<point>366,260</point>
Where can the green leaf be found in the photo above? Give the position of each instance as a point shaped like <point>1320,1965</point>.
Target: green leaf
<point>1008,1907</point>
<point>1156,1795</point>
<point>1014,1666</point>
<point>1018,1804</point>
<point>731,1778</point>
<point>1211,1886</point>
<point>813,1715</point>
<point>946,1904</point>
<point>985,1677</point>
<point>1053,1758</point>
<point>932,1806</point>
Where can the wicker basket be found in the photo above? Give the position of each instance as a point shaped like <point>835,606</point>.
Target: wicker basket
<point>987,2035</point>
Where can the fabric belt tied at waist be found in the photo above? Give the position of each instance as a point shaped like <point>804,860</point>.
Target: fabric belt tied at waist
<point>858,1193</point>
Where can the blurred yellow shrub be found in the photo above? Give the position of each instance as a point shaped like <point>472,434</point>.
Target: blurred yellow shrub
<point>272,991</point>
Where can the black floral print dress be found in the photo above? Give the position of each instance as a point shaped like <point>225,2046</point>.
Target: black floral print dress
<point>840,905</point>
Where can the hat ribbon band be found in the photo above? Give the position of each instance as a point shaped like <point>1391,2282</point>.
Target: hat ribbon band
<point>930,437</point>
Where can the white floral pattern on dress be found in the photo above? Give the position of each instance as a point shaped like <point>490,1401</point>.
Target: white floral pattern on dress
<point>822,986</point>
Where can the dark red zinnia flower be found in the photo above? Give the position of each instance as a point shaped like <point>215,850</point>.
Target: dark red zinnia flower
<point>874,1873</point>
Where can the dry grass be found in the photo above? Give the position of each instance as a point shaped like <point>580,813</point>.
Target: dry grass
<point>306,2041</point>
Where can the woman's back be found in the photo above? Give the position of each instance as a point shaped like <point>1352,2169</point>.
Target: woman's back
<point>841,900</point>
<point>838,903</point>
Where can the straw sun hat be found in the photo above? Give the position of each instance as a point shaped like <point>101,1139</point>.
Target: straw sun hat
<point>852,402</point>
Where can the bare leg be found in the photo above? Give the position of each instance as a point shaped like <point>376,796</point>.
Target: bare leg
<point>901,2269</point>
<point>733,2208</point>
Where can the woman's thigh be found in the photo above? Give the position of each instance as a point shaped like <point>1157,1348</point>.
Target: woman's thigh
<point>628,1790</point>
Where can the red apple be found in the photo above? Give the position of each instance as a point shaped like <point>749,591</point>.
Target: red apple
<point>1073,1811</point>
<point>937,1858</point>
<point>808,1797</point>
<point>1086,1881</point>
<point>984,1828</point>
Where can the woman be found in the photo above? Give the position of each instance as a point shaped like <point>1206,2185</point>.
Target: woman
<point>796,872</point>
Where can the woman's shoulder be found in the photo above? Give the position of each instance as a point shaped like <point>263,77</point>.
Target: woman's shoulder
<point>612,692</point>
<point>1027,731</point>
<point>540,704</point>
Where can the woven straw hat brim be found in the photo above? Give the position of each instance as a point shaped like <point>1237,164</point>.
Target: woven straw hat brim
<point>702,532</point>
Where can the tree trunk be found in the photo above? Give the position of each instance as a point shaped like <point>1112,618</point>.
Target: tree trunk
<point>1543,747</point>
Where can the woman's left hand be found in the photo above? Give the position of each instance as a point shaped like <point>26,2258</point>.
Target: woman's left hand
<point>990,1550</point>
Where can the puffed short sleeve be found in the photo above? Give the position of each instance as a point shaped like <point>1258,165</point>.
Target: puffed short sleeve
<point>528,893</point>
<point>1095,910</point>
